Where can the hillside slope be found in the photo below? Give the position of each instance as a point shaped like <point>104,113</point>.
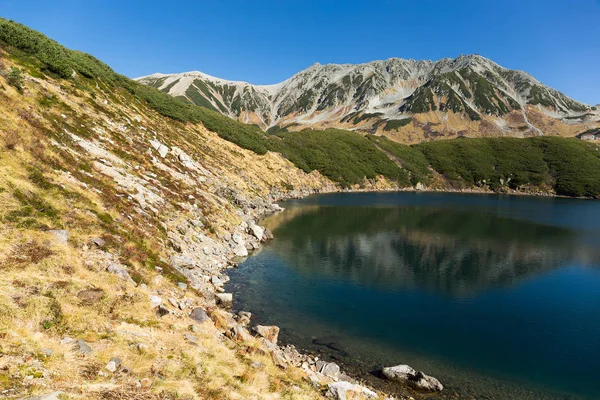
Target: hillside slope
<point>117,223</point>
<point>406,99</point>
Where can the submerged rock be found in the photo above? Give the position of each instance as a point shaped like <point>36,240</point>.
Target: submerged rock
<point>416,379</point>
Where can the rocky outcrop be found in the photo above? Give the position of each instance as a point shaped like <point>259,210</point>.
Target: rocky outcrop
<point>415,379</point>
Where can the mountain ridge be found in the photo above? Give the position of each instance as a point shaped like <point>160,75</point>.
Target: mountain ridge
<point>367,96</point>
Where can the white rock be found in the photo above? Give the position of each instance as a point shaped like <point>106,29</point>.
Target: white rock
<point>257,231</point>
<point>155,301</point>
<point>240,250</point>
<point>339,390</point>
<point>225,299</point>
<point>416,379</point>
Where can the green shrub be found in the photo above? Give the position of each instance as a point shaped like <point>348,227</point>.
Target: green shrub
<point>15,78</point>
<point>344,157</point>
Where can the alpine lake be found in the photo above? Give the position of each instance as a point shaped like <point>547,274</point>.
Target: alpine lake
<point>496,296</point>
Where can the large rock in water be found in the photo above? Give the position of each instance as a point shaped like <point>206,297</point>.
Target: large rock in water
<point>416,379</point>
<point>257,231</point>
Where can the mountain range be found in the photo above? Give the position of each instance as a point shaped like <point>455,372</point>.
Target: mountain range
<point>406,100</point>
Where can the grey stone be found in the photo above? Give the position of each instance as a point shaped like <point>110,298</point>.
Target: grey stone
<point>182,260</point>
<point>191,338</point>
<point>182,285</point>
<point>331,370</point>
<point>113,364</point>
<point>199,315</point>
<point>99,242</point>
<point>239,334</point>
<point>257,365</point>
<point>83,347</point>
<point>268,234</point>
<point>237,238</point>
<point>216,281</point>
<point>67,340</point>
<point>118,270</point>
<point>61,235</point>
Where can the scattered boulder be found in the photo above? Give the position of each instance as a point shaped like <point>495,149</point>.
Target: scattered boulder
<point>182,285</point>
<point>118,270</point>
<point>240,250</point>
<point>160,148</point>
<point>215,280</point>
<point>199,315</point>
<point>224,299</point>
<point>416,379</point>
<point>191,339</point>
<point>244,318</point>
<point>66,340</point>
<point>257,231</point>
<point>113,364</point>
<point>278,360</point>
<point>339,390</point>
<point>268,234</point>
<point>182,261</point>
<point>61,235</point>
<point>99,242</point>
<point>239,334</point>
<point>83,347</point>
<point>329,369</point>
<point>270,333</point>
<point>155,301</point>
<point>237,238</point>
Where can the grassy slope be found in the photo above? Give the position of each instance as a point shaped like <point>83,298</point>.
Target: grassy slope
<point>69,147</point>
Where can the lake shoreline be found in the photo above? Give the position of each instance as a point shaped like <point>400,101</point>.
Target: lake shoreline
<point>372,378</point>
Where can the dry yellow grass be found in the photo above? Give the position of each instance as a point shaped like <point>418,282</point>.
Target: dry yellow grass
<point>50,290</point>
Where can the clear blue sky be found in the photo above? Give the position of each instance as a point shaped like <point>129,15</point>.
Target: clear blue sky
<point>557,41</point>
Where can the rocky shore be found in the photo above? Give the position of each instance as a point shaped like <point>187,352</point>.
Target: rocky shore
<point>205,260</point>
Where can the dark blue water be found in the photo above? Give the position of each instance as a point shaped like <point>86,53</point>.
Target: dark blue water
<point>497,296</point>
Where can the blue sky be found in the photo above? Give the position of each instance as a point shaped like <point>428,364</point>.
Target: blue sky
<point>557,41</point>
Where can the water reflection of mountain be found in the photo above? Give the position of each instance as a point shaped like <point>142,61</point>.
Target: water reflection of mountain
<point>444,251</point>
